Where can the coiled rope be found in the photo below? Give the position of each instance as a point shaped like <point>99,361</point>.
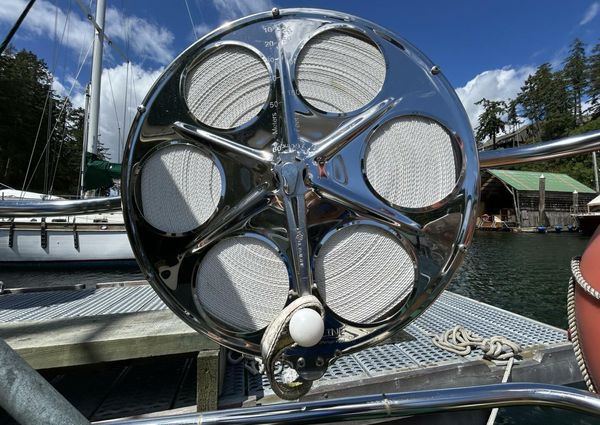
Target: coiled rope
<point>462,341</point>
<point>577,278</point>
<point>499,349</point>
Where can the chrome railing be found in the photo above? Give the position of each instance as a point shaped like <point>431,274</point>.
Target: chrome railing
<point>566,146</point>
<point>381,406</point>
<point>31,208</point>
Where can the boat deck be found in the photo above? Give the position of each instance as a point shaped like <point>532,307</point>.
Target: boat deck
<point>410,362</point>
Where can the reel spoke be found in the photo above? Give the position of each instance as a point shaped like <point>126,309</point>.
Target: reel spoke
<point>219,141</point>
<point>231,219</point>
<point>290,169</point>
<point>295,209</point>
<point>292,191</point>
<point>287,100</point>
<point>366,203</point>
<point>347,132</point>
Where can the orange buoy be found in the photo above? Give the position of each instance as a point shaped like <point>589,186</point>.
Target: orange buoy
<point>587,311</point>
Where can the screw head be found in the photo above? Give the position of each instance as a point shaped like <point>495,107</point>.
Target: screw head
<point>141,109</point>
<point>435,70</point>
<point>275,12</point>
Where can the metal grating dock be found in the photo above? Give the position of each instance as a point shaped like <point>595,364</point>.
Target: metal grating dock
<point>418,364</point>
<point>399,366</point>
<point>37,306</point>
<point>449,310</point>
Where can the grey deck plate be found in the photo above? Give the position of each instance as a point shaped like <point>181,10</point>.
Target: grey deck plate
<point>389,362</point>
<point>86,302</point>
<point>382,362</point>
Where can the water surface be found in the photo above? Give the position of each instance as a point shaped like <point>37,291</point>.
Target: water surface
<point>526,273</point>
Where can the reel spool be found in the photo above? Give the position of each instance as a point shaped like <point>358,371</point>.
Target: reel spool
<point>300,159</point>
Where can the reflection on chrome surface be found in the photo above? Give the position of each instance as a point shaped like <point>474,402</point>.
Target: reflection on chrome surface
<point>294,174</point>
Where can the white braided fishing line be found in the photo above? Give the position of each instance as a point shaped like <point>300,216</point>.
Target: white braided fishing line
<point>410,162</point>
<point>180,188</point>
<point>362,272</point>
<point>338,72</point>
<point>243,282</point>
<point>228,87</point>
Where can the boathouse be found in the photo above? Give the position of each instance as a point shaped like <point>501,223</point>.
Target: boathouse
<point>514,197</point>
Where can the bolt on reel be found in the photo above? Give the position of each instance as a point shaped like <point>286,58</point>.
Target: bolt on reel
<point>298,185</point>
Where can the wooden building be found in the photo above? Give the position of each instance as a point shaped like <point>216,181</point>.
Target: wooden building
<point>514,197</point>
<point>521,135</point>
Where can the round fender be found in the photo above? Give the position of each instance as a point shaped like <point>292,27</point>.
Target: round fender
<point>587,309</point>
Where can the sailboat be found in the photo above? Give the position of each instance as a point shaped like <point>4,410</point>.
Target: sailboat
<point>78,238</point>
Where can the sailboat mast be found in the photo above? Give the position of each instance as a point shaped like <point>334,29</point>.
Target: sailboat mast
<point>86,116</point>
<point>96,77</point>
<point>92,106</point>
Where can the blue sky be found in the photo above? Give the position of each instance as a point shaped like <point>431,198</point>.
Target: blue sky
<point>484,48</point>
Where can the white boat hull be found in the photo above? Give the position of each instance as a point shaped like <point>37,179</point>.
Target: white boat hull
<point>86,243</point>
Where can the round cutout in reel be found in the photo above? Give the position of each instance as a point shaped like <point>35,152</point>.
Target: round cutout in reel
<point>243,282</point>
<point>362,272</point>
<point>395,160</point>
<point>180,188</point>
<point>227,87</point>
<point>339,72</point>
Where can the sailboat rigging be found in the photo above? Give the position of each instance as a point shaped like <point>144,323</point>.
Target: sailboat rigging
<point>72,238</point>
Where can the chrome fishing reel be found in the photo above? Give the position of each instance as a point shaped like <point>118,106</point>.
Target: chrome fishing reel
<point>300,166</point>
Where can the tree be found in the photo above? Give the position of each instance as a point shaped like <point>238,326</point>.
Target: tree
<point>512,117</point>
<point>559,117</point>
<point>532,95</point>
<point>67,153</point>
<point>545,102</point>
<point>24,86</point>
<point>575,76</point>
<point>30,111</point>
<point>490,120</point>
<point>593,74</point>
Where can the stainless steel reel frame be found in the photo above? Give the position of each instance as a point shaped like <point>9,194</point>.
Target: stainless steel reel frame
<point>296,173</point>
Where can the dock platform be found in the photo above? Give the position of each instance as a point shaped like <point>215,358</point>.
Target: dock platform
<point>34,325</point>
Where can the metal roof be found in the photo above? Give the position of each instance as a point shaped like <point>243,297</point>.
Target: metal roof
<point>529,180</point>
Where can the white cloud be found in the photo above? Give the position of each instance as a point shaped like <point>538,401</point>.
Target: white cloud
<point>40,22</point>
<point>144,38</point>
<point>496,84</point>
<point>590,13</point>
<point>234,9</point>
<point>58,88</point>
<point>202,29</point>
<point>112,128</point>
